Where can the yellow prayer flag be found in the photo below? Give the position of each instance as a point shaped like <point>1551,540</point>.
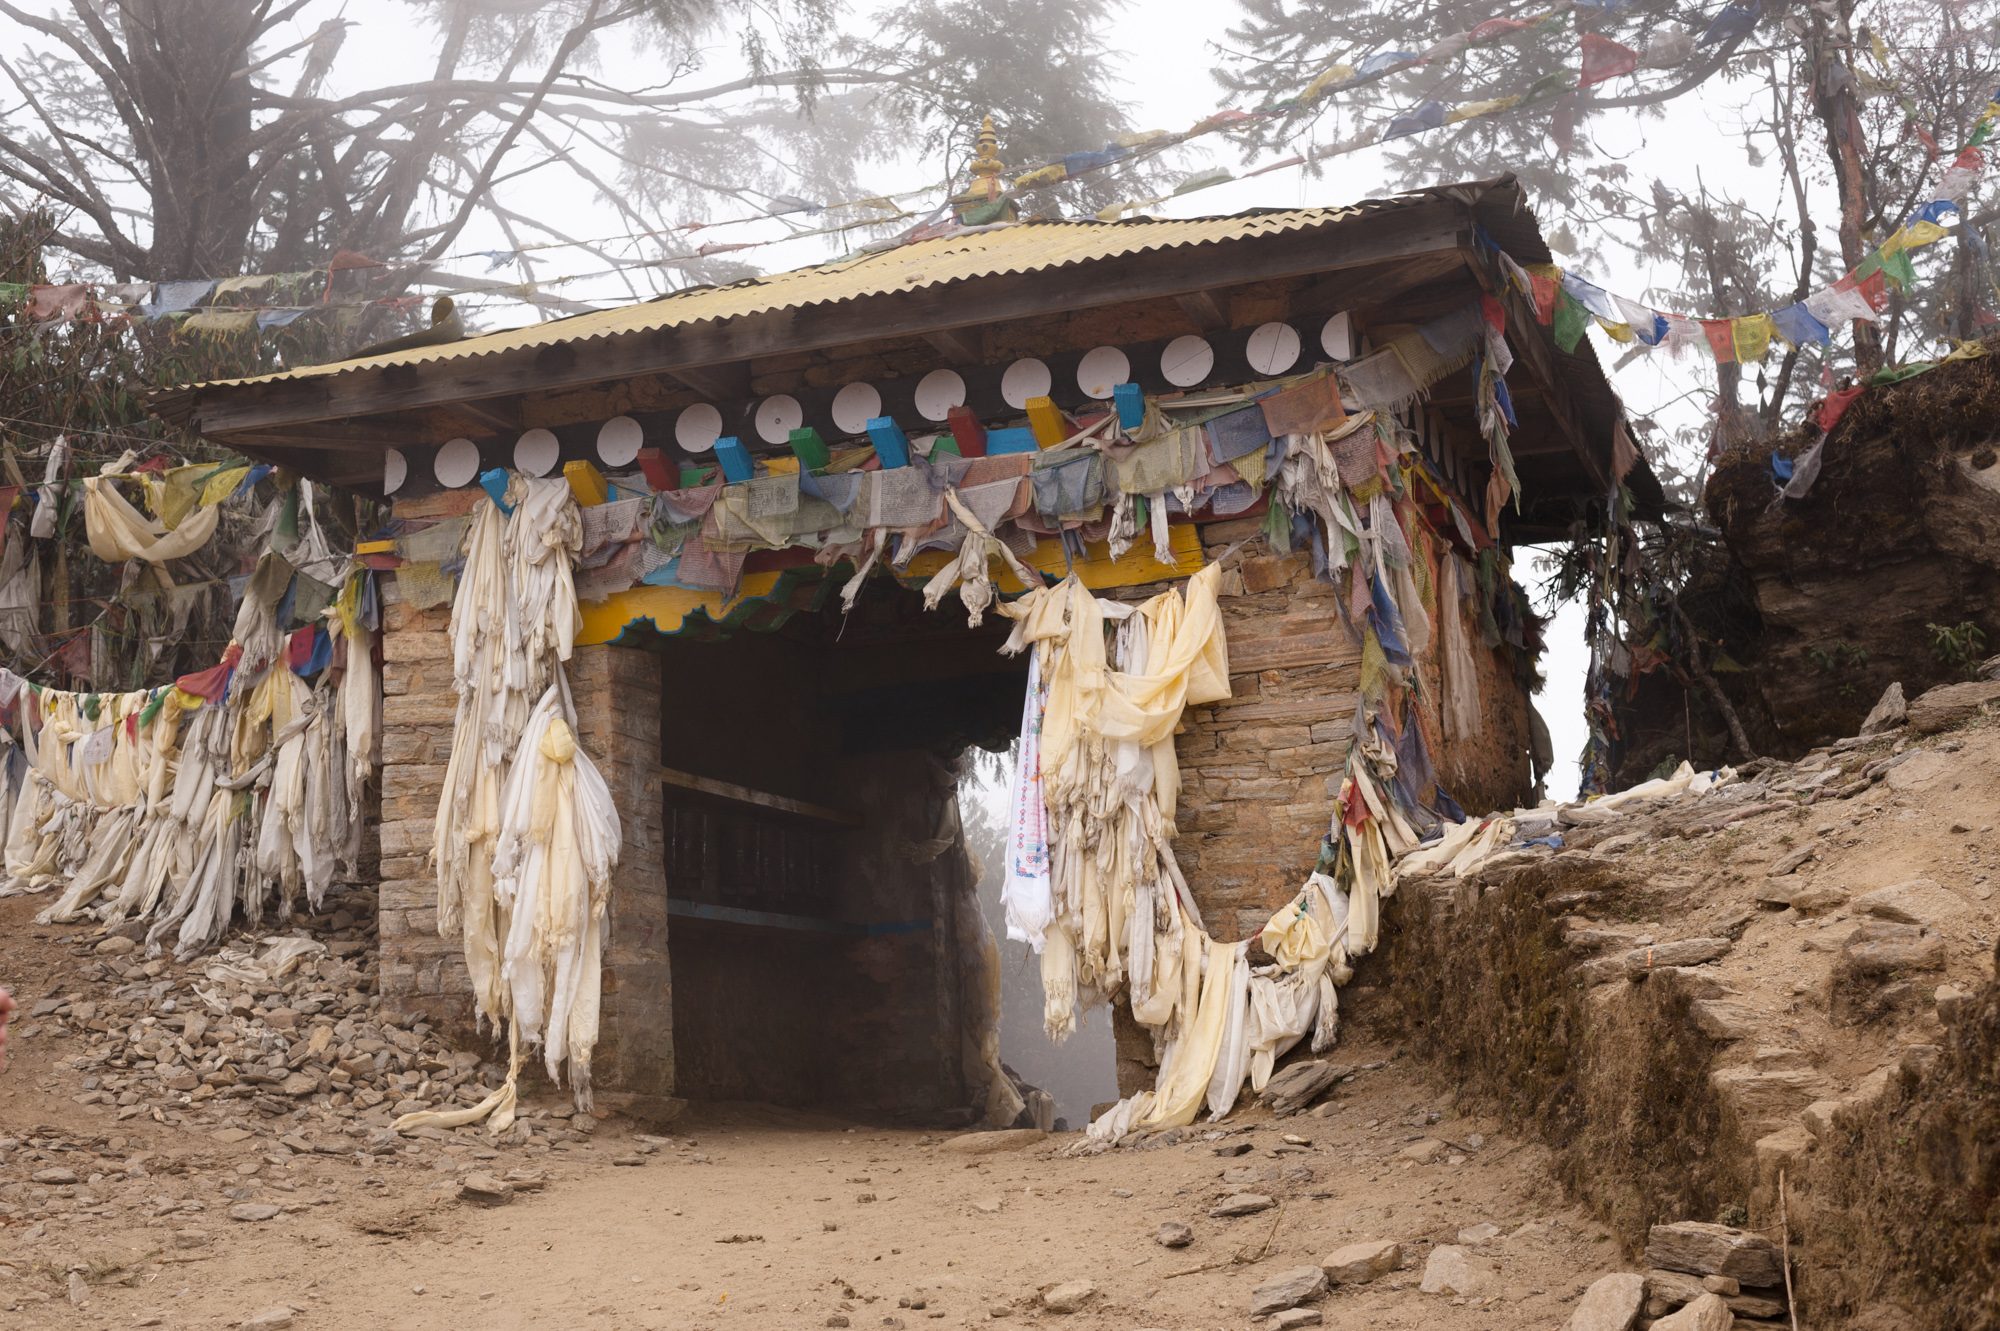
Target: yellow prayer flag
<point>1326,78</point>
<point>221,485</point>
<point>1617,332</point>
<point>1923,232</point>
<point>1896,243</point>
<point>1044,175</point>
<point>1473,110</point>
<point>1751,334</point>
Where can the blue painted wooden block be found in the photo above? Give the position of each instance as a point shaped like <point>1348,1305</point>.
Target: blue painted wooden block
<point>1131,403</point>
<point>494,482</point>
<point>1018,440</point>
<point>735,459</point>
<point>891,444</point>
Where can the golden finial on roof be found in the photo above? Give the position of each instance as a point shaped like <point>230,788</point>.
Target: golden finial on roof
<point>985,198</point>
<point>987,166</point>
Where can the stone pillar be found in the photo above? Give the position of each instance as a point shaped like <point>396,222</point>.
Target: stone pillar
<point>617,695</point>
<point>421,973</point>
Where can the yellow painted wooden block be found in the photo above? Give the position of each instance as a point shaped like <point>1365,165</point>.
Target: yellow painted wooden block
<point>374,547</point>
<point>586,482</point>
<point>1046,420</point>
<point>781,466</point>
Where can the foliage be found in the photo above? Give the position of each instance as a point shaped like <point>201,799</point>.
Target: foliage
<point>1785,88</point>
<point>1958,647</point>
<point>165,161</point>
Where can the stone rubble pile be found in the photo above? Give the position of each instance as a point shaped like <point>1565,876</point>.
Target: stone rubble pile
<point>273,1055</point>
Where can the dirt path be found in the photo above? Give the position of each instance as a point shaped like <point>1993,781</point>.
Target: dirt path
<point>744,1217</point>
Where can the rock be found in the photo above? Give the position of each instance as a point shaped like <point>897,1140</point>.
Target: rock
<point>1423,1152</point>
<point>1918,901</point>
<point>300,1083</point>
<point>1704,1249</point>
<point>1291,1317</point>
<point>1889,711</point>
<point>1173,1234</point>
<point>483,1189</point>
<point>1719,1019</point>
<point>992,1143</point>
<point>1949,705</point>
<point>1068,1297</point>
<point>1298,1086</point>
<point>1685,952</point>
<point>1782,1150</point>
<point>271,1319</point>
<point>1450,1270</point>
<point>1818,1117</point>
<point>1474,1235</point>
<point>1235,1148</point>
<point>1764,1096</point>
<point>1287,1289</point>
<point>1917,770</point>
<point>1952,1003</point>
<point>54,1177</point>
<point>1241,1203</point>
<point>1707,1313</point>
<point>1789,863</point>
<point>115,946</point>
<point>1886,950</point>
<point>1818,899</point>
<point>1723,1285</point>
<point>254,1212</point>
<point>1673,1289</point>
<point>1358,1263</point>
<point>1610,1304</point>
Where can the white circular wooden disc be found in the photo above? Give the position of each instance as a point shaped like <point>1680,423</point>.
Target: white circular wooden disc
<point>854,406</point>
<point>1101,370</point>
<point>1336,339</point>
<point>777,416</point>
<point>938,392</point>
<point>1187,360</point>
<point>395,470</point>
<point>698,427</point>
<point>1024,379</point>
<point>536,452</point>
<point>1273,349</point>
<point>456,463</point>
<point>619,441</point>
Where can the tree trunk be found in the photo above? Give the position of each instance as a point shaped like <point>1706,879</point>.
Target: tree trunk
<point>1833,100</point>
<point>189,59</point>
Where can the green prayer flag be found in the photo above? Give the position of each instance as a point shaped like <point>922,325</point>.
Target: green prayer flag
<point>1571,320</point>
<point>1896,269</point>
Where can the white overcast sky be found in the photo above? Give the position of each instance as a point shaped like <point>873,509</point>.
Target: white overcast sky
<point>1167,52</point>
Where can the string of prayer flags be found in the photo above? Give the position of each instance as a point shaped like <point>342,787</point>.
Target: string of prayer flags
<point>1797,325</point>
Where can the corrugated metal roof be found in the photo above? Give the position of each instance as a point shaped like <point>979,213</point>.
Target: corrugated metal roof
<point>1021,247</point>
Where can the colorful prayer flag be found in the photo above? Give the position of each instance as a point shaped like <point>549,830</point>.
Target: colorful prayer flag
<point>1605,59</point>
<point>1721,335</point>
<point>1570,320</point>
<point>1751,334</point>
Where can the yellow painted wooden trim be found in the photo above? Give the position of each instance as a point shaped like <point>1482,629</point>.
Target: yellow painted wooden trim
<point>375,548</point>
<point>667,608</point>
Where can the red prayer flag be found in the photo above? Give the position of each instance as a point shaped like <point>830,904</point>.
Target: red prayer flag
<point>1836,405</point>
<point>1545,296</point>
<point>1605,59</point>
<point>1721,334</point>
<point>1495,312</point>
<point>1874,289</point>
<point>1497,27</point>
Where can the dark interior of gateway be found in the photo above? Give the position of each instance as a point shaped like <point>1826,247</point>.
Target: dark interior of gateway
<point>824,940</point>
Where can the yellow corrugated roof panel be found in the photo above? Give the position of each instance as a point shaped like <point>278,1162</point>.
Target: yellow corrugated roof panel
<point>1021,247</point>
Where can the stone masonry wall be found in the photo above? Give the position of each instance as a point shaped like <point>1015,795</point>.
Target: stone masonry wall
<point>616,692</point>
